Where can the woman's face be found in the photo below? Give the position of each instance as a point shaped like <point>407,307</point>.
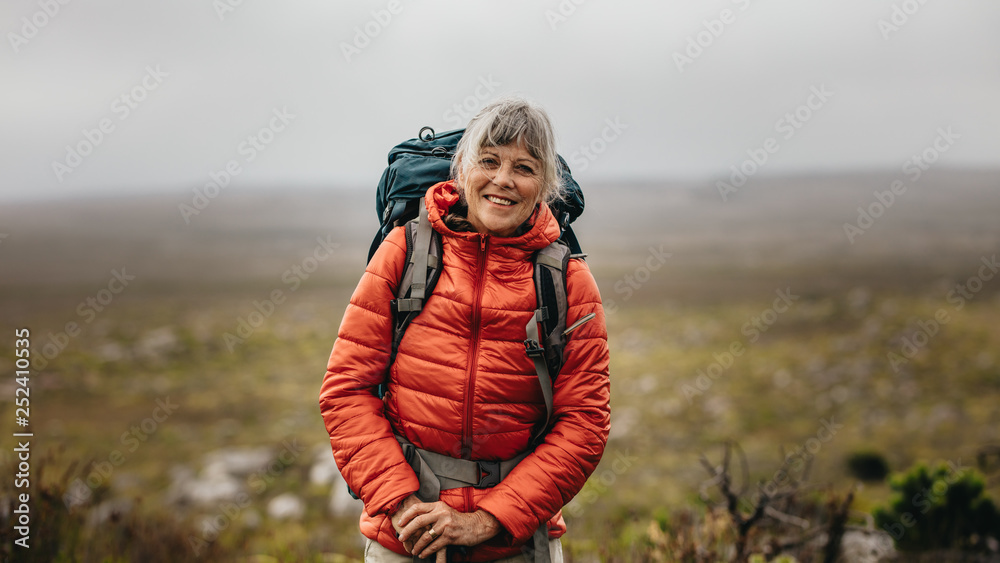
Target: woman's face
<point>502,189</point>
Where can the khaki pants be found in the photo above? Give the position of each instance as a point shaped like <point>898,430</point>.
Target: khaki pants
<point>375,553</point>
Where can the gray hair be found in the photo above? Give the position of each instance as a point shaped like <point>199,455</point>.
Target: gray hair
<point>512,120</point>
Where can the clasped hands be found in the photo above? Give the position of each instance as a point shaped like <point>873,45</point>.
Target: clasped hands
<point>426,528</point>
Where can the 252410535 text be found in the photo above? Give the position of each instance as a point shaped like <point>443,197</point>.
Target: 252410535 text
<point>22,452</point>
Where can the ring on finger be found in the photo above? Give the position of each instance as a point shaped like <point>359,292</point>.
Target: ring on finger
<point>432,533</point>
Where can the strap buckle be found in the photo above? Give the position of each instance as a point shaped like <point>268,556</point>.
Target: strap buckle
<point>489,474</point>
<point>533,348</point>
<point>406,305</point>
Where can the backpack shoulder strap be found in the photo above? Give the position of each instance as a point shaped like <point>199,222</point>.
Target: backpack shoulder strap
<point>420,275</point>
<point>545,330</point>
<point>423,251</point>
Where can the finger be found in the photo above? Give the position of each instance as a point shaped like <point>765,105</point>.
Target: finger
<point>408,546</point>
<point>414,511</point>
<point>424,541</point>
<point>436,513</point>
<point>442,556</point>
<point>438,546</point>
<point>417,526</point>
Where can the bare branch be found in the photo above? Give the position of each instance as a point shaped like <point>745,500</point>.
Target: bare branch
<point>787,518</point>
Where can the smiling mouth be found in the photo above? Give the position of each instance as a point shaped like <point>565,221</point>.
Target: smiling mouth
<point>499,200</point>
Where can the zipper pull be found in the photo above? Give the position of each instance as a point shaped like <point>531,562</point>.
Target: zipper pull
<point>482,242</point>
<point>583,320</point>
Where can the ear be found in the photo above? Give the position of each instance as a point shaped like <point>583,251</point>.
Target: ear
<point>460,179</point>
<point>541,196</point>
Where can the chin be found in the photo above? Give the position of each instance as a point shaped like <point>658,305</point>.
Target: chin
<point>499,229</point>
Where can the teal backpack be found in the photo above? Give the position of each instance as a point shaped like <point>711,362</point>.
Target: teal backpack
<point>419,163</point>
<point>416,165</point>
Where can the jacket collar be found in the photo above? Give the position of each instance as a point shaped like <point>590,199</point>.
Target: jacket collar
<point>442,196</point>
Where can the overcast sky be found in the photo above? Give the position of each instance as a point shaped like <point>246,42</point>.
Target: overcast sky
<point>656,90</point>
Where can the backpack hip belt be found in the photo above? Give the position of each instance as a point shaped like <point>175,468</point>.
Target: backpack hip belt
<point>438,472</point>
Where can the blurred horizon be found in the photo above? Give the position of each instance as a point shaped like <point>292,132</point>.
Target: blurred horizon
<point>706,184</point>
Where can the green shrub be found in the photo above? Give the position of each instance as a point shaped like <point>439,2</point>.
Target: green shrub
<point>939,508</point>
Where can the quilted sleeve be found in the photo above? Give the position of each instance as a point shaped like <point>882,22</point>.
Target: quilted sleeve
<point>558,468</point>
<point>367,454</point>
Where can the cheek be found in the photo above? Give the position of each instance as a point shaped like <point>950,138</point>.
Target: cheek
<point>473,183</point>
<point>534,193</point>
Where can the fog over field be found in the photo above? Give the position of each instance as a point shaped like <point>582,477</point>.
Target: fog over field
<point>806,227</point>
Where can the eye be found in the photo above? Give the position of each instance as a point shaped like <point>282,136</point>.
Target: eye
<point>525,169</point>
<point>489,162</point>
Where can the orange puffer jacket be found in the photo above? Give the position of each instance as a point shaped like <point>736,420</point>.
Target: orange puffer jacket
<point>463,386</point>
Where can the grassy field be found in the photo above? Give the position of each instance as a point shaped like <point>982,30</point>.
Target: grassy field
<point>754,320</point>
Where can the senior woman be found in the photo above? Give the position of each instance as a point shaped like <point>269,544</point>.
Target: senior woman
<point>461,385</point>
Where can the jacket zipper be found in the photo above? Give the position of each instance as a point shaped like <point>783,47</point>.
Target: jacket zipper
<point>474,356</point>
<point>474,345</point>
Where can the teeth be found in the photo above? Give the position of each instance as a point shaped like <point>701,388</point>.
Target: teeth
<point>499,201</point>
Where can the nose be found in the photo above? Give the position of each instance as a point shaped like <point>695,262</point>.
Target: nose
<point>504,176</point>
